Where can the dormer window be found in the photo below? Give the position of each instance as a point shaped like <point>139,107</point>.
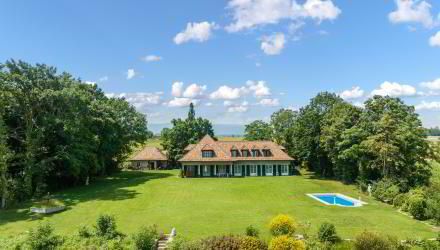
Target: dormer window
<point>255,153</point>
<point>267,153</point>
<point>235,153</point>
<point>207,153</point>
<point>245,153</point>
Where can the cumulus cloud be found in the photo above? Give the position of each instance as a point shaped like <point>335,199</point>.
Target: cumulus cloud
<point>177,89</point>
<point>434,40</point>
<point>274,44</point>
<point>151,58</point>
<point>194,90</point>
<point>394,89</point>
<point>130,74</point>
<point>432,85</point>
<point>249,14</point>
<point>90,82</point>
<point>209,104</point>
<point>268,102</point>
<point>412,11</point>
<point>138,99</point>
<point>103,79</point>
<point>181,102</point>
<point>240,108</point>
<point>353,93</point>
<point>259,88</point>
<point>428,106</point>
<point>198,32</point>
<point>227,93</point>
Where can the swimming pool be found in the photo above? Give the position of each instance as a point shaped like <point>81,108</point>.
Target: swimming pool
<point>336,199</point>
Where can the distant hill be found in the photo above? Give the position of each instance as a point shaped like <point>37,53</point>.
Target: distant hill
<point>219,129</point>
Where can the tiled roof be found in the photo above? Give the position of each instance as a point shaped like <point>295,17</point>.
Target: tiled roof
<point>189,147</point>
<point>149,154</point>
<point>223,149</point>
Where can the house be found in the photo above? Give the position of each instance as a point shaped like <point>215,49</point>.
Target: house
<point>210,158</point>
<point>149,158</point>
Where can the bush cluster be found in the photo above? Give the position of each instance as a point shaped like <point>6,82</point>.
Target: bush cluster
<point>374,241</point>
<point>282,225</point>
<point>386,190</point>
<point>285,242</point>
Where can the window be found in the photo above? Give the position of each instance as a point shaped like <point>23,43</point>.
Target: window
<point>267,153</point>
<point>234,153</point>
<point>284,170</point>
<point>206,171</point>
<point>255,153</point>
<point>237,170</point>
<point>253,170</point>
<point>269,170</point>
<point>245,153</point>
<point>207,154</point>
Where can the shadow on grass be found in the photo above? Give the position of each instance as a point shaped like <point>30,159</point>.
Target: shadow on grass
<point>112,188</point>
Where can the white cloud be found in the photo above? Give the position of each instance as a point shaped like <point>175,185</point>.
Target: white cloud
<point>130,74</point>
<point>434,40</point>
<point>412,11</point>
<point>249,14</point>
<point>259,88</point>
<point>321,10</point>
<point>268,102</point>
<point>90,82</point>
<point>274,44</point>
<point>103,79</point>
<point>394,89</point>
<point>181,102</point>
<point>177,89</point>
<point>209,104</point>
<point>428,106</point>
<point>228,103</point>
<point>353,93</point>
<point>241,108</point>
<point>139,99</point>
<point>151,58</point>
<point>359,104</point>
<point>227,93</point>
<point>198,32</point>
<point>194,90</point>
<point>432,85</point>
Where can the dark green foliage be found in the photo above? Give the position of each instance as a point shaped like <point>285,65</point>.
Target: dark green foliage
<point>42,238</point>
<point>252,231</point>
<point>85,232</point>
<point>281,122</point>
<point>183,133</point>
<point>433,131</point>
<point>385,190</point>
<point>106,227</point>
<point>226,242</point>
<point>417,207</point>
<point>146,238</point>
<point>374,241</point>
<point>258,131</point>
<point>62,131</point>
<point>327,233</point>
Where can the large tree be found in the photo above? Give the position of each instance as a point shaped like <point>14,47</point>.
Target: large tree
<point>184,132</point>
<point>258,131</point>
<point>281,121</point>
<point>60,130</point>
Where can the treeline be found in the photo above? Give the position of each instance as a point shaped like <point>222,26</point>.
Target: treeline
<point>433,131</point>
<point>333,138</point>
<point>56,131</point>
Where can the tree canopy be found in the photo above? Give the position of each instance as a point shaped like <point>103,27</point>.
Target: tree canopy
<point>258,131</point>
<point>184,132</point>
<point>59,131</point>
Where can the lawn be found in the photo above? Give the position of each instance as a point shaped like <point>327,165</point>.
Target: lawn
<point>202,207</point>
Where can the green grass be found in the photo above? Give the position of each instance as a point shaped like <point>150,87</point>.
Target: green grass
<point>202,207</point>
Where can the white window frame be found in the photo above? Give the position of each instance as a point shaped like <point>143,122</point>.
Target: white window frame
<point>284,170</point>
<point>269,173</point>
<point>255,167</point>
<point>207,154</point>
<point>206,171</point>
<point>237,173</point>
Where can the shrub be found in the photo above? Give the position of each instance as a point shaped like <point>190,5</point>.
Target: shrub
<point>42,238</point>
<point>106,227</point>
<point>228,242</point>
<point>327,233</point>
<point>252,231</point>
<point>373,241</point>
<point>252,243</point>
<point>146,238</point>
<point>417,207</point>
<point>285,242</point>
<point>385,190</point>
<point>282,225</point>
<point>179,243</point>
<point>400,201</point>
<point>84,232</point>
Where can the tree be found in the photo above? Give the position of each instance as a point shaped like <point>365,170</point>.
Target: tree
<point>183,133</point>
<point>258,131</point>
<point>281,121</point>
<point>306,132</point>
<point>5,155</point>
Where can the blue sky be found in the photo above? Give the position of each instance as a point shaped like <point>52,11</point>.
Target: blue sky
<point>239,60</point>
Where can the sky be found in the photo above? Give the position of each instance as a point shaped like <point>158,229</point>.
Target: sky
<point>237,60</point>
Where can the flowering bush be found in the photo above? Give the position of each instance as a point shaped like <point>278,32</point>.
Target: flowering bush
<point>252,243</point>
<point>285,242</point>
<point>282,225</point>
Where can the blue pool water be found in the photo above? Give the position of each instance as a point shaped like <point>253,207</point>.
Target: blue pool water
<point>334,199</point>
